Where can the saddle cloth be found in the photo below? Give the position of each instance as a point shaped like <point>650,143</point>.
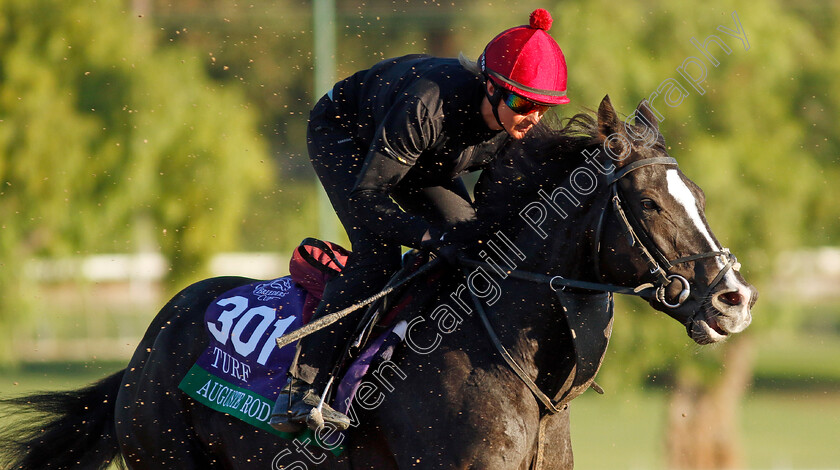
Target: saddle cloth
<point>241,371</point>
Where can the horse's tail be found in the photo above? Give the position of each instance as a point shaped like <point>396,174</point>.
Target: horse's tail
<point>62,430</point>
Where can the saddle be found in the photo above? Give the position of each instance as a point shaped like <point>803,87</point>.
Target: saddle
<point>314,262</point>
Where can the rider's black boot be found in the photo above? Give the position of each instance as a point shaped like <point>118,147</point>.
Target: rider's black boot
<point>299,406</point>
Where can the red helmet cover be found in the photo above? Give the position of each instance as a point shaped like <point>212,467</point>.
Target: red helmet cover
<point>527,61</point>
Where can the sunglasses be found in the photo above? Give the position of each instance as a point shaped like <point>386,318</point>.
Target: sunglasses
<point>523,106</point>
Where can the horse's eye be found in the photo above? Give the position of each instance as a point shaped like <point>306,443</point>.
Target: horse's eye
<point>649,205</point>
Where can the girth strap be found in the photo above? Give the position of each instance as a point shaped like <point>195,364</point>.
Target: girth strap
<point>538,460</point>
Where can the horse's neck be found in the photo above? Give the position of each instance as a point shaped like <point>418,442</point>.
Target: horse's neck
<point>568,248</point>
<point>529,317</point>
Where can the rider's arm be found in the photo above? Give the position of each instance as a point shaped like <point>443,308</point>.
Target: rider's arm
<point>408,129</point>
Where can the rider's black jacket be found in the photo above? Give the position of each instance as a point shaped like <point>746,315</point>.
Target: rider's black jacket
<point>421,119</point>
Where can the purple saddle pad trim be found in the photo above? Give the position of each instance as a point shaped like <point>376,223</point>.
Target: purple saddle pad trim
<point>378,350</point>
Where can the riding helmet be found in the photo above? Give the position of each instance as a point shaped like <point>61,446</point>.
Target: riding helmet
<point>527,61</point>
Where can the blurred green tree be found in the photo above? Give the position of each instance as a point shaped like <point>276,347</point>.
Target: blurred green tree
<point>104,128</point>
<point>266,47</point>
<point>758,140</point>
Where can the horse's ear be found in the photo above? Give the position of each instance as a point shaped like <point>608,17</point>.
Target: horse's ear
<point>645,117</point>
<point>607,118</point>
<point>645,128</point>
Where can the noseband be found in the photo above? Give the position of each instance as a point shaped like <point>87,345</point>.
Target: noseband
<point>637,236</point>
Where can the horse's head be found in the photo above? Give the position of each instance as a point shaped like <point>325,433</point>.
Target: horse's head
<point>654,232</point>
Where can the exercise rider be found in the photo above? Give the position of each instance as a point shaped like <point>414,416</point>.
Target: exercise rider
<point>389,145</point>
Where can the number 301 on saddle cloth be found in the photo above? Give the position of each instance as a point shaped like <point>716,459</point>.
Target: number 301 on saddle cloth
<point>242,371</point>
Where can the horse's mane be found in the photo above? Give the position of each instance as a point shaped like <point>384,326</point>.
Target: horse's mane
<point>543,160</point>
<point>554,148</point>
<point>555,138</point>
<point>567,137</point>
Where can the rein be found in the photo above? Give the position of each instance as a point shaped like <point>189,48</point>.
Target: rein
<point>331,318</point>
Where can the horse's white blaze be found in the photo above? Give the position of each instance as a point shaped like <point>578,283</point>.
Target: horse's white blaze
<point>679,190</point>
<point>735,318</point>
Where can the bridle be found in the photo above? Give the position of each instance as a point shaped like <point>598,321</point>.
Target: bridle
<point>637,236</point>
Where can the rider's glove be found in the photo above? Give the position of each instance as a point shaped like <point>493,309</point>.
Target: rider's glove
<point>443,248</point>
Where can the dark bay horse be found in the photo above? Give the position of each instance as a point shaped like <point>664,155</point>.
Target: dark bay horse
<point>494,351</point>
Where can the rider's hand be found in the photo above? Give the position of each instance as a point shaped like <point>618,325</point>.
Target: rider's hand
<point>441,247</point>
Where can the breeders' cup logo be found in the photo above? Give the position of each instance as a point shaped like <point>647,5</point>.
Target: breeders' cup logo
<point>276,289</point>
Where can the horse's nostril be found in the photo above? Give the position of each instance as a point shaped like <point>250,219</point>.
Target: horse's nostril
<point>732,298</point>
